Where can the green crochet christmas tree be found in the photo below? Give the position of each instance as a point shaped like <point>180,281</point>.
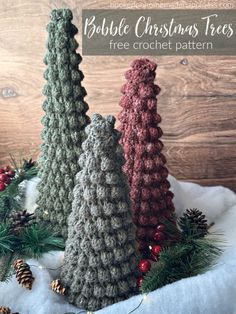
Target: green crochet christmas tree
<point>101,254</point>
<point>64,122</point>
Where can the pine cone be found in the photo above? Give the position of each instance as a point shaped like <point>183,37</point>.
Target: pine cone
<point>24,275</point>
<point>27,164</point>
<point>193,222</point>
<point>57,287</point>
<point>20,220</point>
<point>5,310</point>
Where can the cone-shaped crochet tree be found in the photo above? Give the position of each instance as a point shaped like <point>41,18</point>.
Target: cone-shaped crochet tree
<point>145,164</point>
<point>64,122</point>
<point>101,256</point>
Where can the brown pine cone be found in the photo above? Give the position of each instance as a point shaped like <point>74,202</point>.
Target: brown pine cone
<point>5,310</point>
<point>27,164</point>
<point>24,275</point>
<point>57,287</point>
<point>20,220</point>
<point>194,221</point>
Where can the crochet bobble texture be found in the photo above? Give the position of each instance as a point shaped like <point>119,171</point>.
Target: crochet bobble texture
<point>145,164</point>
<point>100,257</point>
<point>64,122</point>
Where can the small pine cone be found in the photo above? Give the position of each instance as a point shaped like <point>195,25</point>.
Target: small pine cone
<point>5,310</point>
<point>24,275</point>
<point>57,287</point>
<point>27,164</point>
<point>195,221</point>
<point>20,220</point>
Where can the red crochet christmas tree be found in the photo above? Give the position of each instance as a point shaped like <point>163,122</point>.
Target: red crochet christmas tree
<point>145,163</point>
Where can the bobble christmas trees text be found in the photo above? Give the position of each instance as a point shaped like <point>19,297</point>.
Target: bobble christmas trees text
<point>100,259</point>
<point>64,122</point>
<point>145,163</point>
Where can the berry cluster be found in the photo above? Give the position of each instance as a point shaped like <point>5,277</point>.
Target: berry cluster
<point>6,176</point>
<point>145,264</point>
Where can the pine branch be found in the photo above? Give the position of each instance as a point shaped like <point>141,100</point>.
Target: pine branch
<point>30,172</point>
<point>7,203</point>
<point>13,162</point>
<point>193,251</point>
<point>8,197</point>
<point>6,239</point>
<point>37,239</point>
<point>172,231</point>
<point>6,267</point>
<point>183,260</point>
<point>32,242</point>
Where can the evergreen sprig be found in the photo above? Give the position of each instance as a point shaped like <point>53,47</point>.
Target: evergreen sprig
<point>33,240</point>
<point>6,239</point>
<point>8,198</point>
<point>6,270</point>
<point>38,239</point>
<point>193,253</point>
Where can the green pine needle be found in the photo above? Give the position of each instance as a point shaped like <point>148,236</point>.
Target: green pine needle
<point>30,243</point>
<point>37,239</point>
<point>182,260</point>
<point>8,197</point>
<point>6,270</point>
<point>33,241</point>
<point>188,253</point>
<point>31,172</point>
<point>6,240</point>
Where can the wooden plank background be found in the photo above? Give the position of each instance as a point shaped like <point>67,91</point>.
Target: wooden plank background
<point>197,102</point>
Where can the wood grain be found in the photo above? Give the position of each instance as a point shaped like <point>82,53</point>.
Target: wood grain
<point>197,102</point>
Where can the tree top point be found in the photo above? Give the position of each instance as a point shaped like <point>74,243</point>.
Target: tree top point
<point>59,14</point>
<point>143,63</point>
<point>99,118</point>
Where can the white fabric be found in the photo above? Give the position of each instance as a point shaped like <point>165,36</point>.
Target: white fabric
<point>212,293</point>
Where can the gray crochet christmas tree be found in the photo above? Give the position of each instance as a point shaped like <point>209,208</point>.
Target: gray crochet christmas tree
<point>101,255</point>
<point>64,122</point>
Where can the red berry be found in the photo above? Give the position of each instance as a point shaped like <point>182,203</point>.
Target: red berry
<point>139,281</point>
<point>6,168</point>
<point>159,236</point>
<point>11,173</point>
<point>2,170</point>
<point>156,249</point>
<point>2,186</point>
<point>3,177</point>
<point>161,227</point>
<point>144,266</point>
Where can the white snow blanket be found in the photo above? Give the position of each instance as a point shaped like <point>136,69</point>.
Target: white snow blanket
<point>211,293</point>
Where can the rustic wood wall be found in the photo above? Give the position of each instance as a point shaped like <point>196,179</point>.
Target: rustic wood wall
<point>197,102</point>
